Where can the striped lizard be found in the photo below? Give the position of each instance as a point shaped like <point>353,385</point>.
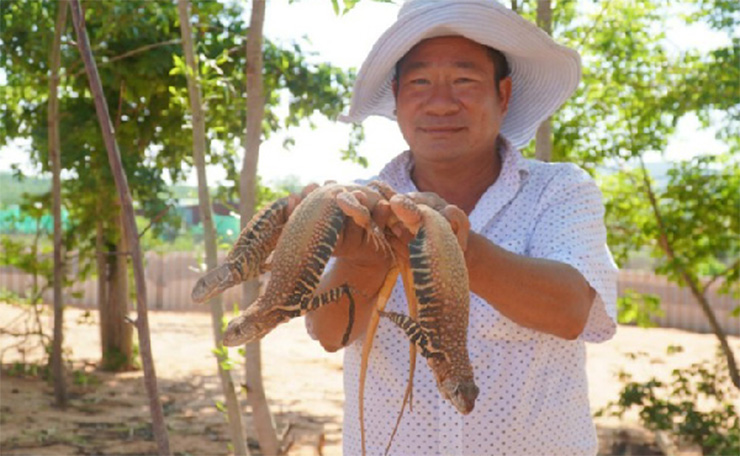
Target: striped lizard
<point>436,284</point>
<point>301,251</point>
<point>300,255</point>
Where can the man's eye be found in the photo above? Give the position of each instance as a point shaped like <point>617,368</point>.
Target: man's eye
<point>419,81</point>
<point>463,80</point>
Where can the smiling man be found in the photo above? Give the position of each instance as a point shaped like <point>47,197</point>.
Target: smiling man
<point>468,82</point>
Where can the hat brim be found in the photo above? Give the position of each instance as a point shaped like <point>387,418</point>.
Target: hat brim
<point>544,74</point>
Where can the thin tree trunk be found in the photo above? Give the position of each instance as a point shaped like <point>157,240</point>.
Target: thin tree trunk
<point>543,141</point>
<point>114,157</point>
<point>514,6</point>
<point>118,353</point>
<point>199,151</point>
<point>263,422</point>
<point>102,267</point>
<point>57,363</point>
<point>698,294</point>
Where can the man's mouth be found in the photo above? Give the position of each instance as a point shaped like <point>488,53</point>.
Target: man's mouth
<point>441,129</point>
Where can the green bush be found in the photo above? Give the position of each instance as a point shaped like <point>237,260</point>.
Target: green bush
<point>696,405</point>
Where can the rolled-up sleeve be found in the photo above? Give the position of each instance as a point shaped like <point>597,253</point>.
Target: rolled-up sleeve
<point>570,229</point>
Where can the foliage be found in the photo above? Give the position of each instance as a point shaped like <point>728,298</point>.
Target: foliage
<point>638,308</point>
<point>136,44</point>
<point>700,207</point>
<point>696,404</point>
<point>635,88</point>
<point>14,189</point>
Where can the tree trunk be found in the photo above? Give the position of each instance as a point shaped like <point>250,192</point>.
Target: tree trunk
<point>57,362</point>
<point>543,141</point>
<point>199,151</point>
<point>118,341</point>
<point>114,157</point>
<point>102,267</point>
<point>263,422</point>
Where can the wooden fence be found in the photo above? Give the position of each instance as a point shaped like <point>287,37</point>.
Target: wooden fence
<point>170,278</point>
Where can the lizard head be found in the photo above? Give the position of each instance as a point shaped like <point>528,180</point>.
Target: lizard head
<point>462,393</point>
<point>243,330</point>
<point>251,325</point>
<point>214,283</point>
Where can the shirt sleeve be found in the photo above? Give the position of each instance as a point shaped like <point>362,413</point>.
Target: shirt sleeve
<point>570,229</point>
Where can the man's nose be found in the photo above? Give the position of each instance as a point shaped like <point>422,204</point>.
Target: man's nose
<point>442,100</point>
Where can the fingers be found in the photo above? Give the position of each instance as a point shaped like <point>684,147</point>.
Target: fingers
<point>407,211</point>
<point>405,208</point>
<point>459,222</point>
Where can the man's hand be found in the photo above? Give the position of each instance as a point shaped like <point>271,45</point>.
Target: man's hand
<point>355,242</point>
<point>405,223</point>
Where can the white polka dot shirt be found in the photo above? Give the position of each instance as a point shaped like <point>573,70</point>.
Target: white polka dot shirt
<point>533,389</point>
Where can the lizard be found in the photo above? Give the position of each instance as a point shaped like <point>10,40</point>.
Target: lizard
<point>307,241</point>
<point>247,259</point>
<point>438,299</point>
<point>440,281</point>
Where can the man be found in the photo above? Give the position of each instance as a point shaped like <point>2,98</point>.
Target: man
<point>469,81</point>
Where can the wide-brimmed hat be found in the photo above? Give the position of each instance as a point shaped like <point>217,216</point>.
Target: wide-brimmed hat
<point>544,74</point>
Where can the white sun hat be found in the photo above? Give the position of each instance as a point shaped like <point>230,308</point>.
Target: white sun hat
<point>543,73</point>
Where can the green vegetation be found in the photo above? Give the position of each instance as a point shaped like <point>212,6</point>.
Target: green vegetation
<point>12,188</point>
<point>696,405</point>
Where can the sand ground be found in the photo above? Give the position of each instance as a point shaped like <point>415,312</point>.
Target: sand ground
<point>108,413</point>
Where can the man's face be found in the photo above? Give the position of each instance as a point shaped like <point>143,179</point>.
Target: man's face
<point>446,100</point>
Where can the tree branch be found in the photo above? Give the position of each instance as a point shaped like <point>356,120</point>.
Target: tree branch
<point>156,218</point>
<point>131,53</point>
<point>120,104</point>
<point>693,286</point>
<point>719,275</point>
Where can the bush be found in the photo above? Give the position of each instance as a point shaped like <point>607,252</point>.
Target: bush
<point>696,405</point>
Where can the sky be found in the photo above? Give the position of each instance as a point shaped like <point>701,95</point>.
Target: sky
<point>344,41</point>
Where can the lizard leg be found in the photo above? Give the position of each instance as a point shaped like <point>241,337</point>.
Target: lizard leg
<point>459,222</point>
<point>407,212</point>
<point>329,296</point>
<point>419,336</point>
<point>355,205</point>
<point>381,187</point>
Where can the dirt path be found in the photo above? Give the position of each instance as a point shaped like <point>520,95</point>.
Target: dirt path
<point>108,413</point>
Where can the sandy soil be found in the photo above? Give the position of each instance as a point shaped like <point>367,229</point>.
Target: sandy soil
<point>108,413</point>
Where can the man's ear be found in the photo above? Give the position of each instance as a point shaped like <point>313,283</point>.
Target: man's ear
<point>394,86</point>
<point>504,90</point>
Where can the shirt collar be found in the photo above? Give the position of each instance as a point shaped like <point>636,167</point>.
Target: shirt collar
<point>514,171</point>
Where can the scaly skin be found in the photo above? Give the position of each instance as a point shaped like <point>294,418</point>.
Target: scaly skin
<point>308,240</point>
<point>441,289</point>
<point>247,257</point>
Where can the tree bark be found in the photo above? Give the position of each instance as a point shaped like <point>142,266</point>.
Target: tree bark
<point>118,342</point>
<point>199,151</point>
<point>263,422</point>
<point>114,157</point>
<point>57,362</point>
<point>102,268</point>
<point>543,141</point>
